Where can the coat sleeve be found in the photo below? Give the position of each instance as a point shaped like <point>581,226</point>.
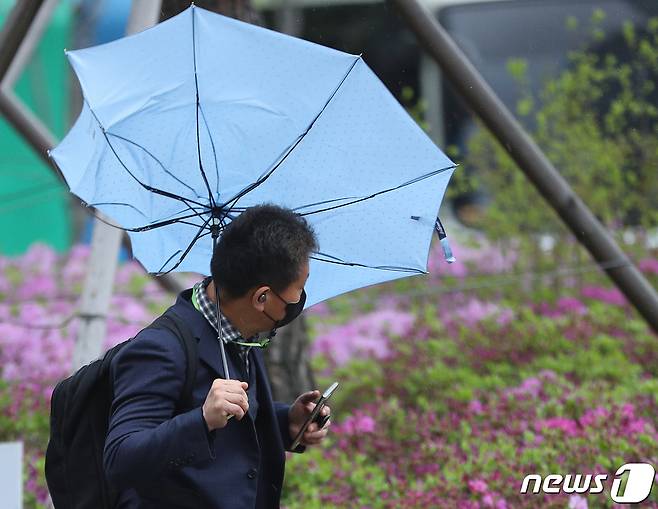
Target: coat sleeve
<point>144,436</point>
<point>281,410</point>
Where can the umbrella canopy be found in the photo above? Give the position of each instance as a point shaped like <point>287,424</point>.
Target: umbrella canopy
<point>188,123</point>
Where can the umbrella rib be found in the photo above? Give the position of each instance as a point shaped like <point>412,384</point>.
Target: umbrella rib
<point>364,198</point>
<point>197,236</point>
<point>157,161</point>
<point>391,268</point>
<point>212,145</point>
<point>167,222</point>
<point>95,205</point>
<point>152,226</point>
<point>152,189</point>
<point>325,202</point>
<point>233,201</point>
<point>211,199</point>
<point>155,225</point>
<point>182,256</point>
<point>173,215</point>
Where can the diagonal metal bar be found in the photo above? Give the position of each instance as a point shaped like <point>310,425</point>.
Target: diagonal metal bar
<point>29,43</point>
<point>28,125</point>
<point>14,30</point>
<point>575,214</point>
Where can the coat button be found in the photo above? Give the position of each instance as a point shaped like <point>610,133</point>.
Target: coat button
<point>252,473</point>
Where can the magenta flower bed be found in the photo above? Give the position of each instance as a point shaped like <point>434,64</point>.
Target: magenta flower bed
<point>453,387</point>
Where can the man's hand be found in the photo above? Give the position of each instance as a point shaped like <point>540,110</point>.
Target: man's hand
<point>299,411</point>
<point>225,398</point>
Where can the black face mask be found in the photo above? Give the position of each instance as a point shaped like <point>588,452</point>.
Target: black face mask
<point>293,310</point>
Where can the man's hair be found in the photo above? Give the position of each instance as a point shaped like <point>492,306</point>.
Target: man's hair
<point>265,245</point>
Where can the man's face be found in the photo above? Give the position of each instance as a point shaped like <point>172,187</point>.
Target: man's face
<point>271,305</point>
<point>294,291</point>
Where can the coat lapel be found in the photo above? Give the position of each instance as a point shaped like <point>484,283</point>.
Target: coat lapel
<point>203,331</point>
<point>210,354</point>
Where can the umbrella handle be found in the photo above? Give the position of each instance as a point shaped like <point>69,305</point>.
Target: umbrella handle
<point>221,344</point>
<point>219,316</point>
<point>219,336</point>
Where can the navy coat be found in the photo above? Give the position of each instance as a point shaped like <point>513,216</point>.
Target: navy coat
<point>165,461</point>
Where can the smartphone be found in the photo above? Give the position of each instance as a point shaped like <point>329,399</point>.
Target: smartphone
<point>315,414</point>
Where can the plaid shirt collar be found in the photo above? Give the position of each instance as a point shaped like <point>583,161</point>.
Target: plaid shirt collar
<point>203,303</point>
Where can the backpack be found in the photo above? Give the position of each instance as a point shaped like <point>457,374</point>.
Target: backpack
<point>79,417</point>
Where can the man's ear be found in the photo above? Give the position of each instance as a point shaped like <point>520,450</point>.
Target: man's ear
<point>259,297</point>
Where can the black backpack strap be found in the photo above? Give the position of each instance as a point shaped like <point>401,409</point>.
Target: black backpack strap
<point>173,322</point>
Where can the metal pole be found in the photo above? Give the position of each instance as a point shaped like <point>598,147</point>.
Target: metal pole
<point>29,42</point>
<point>28,125</point>
<point>530,159</point>
<point>14,30</point>
<point>105,243</point>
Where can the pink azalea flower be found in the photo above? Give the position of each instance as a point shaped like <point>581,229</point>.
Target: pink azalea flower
<point>476,310</point>
<point>476,407</point>
<point>648,265</point>
<point>43,286</point>
<point>478,486</point>
<point>479,256</point>
<point>127,271</point>
<point>609,296</point>
<point>577,502</point>
<point>531,386</point>
<point>568,426</point>
<point>636,426</point>
<point>501,503</point>
<point>571,305</point>
<point>595,415</point>
<point>5,285</point>
<point>40,259</point>
<point>75,266</point>
<point>355,424</point>
<point>364,336</point>
<point>319,309</point>
<point>126,308</point>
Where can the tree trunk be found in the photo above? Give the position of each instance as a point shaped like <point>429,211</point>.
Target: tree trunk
<point>288,363</point>
<point>286,358</point>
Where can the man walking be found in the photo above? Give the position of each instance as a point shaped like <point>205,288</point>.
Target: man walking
<point>228,452</point>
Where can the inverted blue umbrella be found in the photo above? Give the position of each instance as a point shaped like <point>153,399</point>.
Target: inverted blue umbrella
<point>187,124</point>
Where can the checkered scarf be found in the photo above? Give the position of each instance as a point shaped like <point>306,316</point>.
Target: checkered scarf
<point>209,310</point>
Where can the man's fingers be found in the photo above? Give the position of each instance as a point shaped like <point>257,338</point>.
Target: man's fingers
<point>236,410</point>
<point>232,385</point>
<point>309,397</point>
<point>315,432</point>
<point>325,410</point>
<point>315,437</point>
<point>238,399</point>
